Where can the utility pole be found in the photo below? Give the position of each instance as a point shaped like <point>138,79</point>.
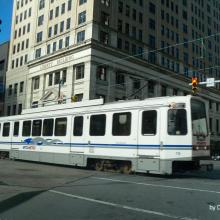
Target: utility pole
<point>0,24</point>
<point>59,91</point>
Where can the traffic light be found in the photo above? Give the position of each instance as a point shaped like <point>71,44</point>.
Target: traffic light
<point>194,85</point>
<point>74,98</point>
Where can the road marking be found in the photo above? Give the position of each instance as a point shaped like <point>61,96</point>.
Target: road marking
<point>121,206</point>
<point>158,185</point>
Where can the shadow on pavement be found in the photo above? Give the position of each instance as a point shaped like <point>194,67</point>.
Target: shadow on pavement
<point>17,200</point>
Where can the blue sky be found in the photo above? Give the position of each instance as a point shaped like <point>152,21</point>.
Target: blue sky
<point>5,16</point>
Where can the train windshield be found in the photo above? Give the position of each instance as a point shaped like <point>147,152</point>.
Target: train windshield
<point>199,119</point>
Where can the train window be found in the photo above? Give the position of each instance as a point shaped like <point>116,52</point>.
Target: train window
<point>36,128</point>
<point>26,130</point>
<point>16,128</point>
<point>60,126</point>
<point>78,126</point>
<point>177,124</point>
<point>149,122</point>
<point>121,124</point>
<point>97,125</point>
<point>6,129</point>
<point>48,127</point>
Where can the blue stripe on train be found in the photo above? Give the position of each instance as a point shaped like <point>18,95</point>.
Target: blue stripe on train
<point>130,146</point>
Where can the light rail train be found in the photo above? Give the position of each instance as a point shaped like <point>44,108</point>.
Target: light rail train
<point>155,135</point>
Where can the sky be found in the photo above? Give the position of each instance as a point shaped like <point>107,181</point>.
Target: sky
<point>5,16</point>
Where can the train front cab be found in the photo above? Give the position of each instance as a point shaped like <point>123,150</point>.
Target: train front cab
<point>184,136</point>
<point>5,138</point>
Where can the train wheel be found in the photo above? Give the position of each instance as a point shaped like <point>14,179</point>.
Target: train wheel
<point>99,166</point>
<point>126,168</point>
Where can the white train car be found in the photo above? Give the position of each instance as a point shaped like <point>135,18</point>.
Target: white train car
<point>156,135</point>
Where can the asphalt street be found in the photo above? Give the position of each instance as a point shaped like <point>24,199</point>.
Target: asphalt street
<point>42,191</point>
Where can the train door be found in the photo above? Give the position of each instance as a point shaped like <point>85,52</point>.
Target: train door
<point>149,133</point>
<point>15,135</point>
<point>77,134</point>
<point>6,136</point>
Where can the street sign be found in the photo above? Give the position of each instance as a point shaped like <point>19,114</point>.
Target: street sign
<point>210,82</point>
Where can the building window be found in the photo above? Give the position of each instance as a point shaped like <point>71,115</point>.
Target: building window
<point>21,87</point>
<point>61,26</point>
<point>41,4</point>
<point>40,20</point>
<point>80,36</point>
<point>101,73</point>
<point>19,109</point>
<point>184,15</point>
<point>55,29</point>
<point>25,58</point>
<point>29,12</point>
<point>119,43</point>
<point>54,46</point>
<point>105,2</point>
<point>51,14</point>
<point>50,32</point>
<point>152,24</point>
<point>120,79</point>
<point>57,11</point>
<point>28,27</point>
<point>57,78</point>
<point>105,18</point>
<point>15,88</point>
<point>63,8</point>
<point>163,90</point>
<point>50,79</point>
<point>38,53</point>
<point>152,41</point>
<point>68,21</point>
<point>185,30</point>
<point>34,104</point>
<point>10,90</point>
<point>104,37</point>
<point>82,17</point>
<point>80,71</point>
<point>64,76</point>
<point>120,7</point>
<point>127,29</point>
<point>48,49</point>
<point>67,41</point>
<point>69,6</point>
<point>152,8</point>
<point>127,11</point>
<point>36,82</point>
<point>8,110</point>
<point>120,25</point>
<point>82,2</point>
<point>60,43</point>
<point>39,36</point>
